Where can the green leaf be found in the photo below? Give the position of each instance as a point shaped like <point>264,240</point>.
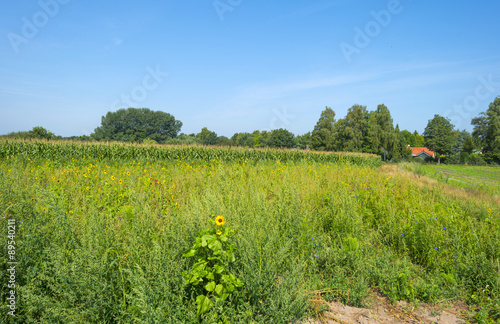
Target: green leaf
<point>215,245</point>
<point>205,239</point>
<point>219,289</point>
<point>224,295</point>
<point>195,280</point>
<point>230,256</point>
<point>204,304</point>
<point>190,253</point>
<point>238,283</point>
<point>210,286</point>
<point>199,267</point>
<point>219,268</point>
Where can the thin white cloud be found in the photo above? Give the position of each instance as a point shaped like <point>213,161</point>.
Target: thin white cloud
<point>27,93</point>
<point>403,76</point>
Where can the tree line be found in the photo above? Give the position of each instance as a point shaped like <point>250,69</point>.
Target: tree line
<point>360,130</point>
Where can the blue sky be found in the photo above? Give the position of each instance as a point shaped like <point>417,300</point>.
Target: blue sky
<point>241,65</point>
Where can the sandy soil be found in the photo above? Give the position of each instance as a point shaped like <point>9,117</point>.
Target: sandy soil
<point>381,310</point>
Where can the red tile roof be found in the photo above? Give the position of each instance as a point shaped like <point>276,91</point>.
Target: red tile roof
<point>417,150</point>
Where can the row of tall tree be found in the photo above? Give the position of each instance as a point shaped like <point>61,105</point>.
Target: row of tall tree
<point>257,139</point>
<point>363,131</point>
<point>359,131</point>
<point>441,136</point>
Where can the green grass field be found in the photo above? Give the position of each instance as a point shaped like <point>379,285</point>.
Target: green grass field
<point>477,178</point>
<point>100,238</point>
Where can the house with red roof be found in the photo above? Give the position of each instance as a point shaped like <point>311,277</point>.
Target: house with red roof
<point>421,152</point>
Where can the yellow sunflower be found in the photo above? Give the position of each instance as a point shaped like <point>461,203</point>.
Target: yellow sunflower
<point>219,233</point>
<point>219,220</point>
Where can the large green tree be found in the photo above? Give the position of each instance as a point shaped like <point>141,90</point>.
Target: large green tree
<point>468,146</point>
<point>417,139</point>
<point>243,139</point>
<point>137,124</point>
<point>303,141</point>
<point>351,132</point>
<point>480,124</point>
<point>439,135</point>
<point>223,141</point>
<point>413,139</point>
<point>281,138</point>
<point>206,137</point>
<point>461,137</point>
<point>380,130</point>
<point>323,135</point>
<point>264,138</point>
<point>41,133</point>
<point>492,138</point>
<point>487,131</point>
<point>38,132</point>
<point>398,146</point>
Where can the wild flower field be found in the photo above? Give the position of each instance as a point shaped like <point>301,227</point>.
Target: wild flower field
<point>106,238</point>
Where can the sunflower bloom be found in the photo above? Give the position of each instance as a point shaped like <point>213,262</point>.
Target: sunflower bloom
<point>219,220</point>
<point>219,233</point>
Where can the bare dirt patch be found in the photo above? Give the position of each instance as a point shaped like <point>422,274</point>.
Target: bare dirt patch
<point>381,310</point>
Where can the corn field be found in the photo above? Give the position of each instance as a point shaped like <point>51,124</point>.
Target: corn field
<point>119,152</point>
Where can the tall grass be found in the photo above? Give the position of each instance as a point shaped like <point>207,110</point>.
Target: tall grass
<point>102,241</point>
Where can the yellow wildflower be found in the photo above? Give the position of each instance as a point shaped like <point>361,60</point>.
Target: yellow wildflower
<point>219,220</point>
